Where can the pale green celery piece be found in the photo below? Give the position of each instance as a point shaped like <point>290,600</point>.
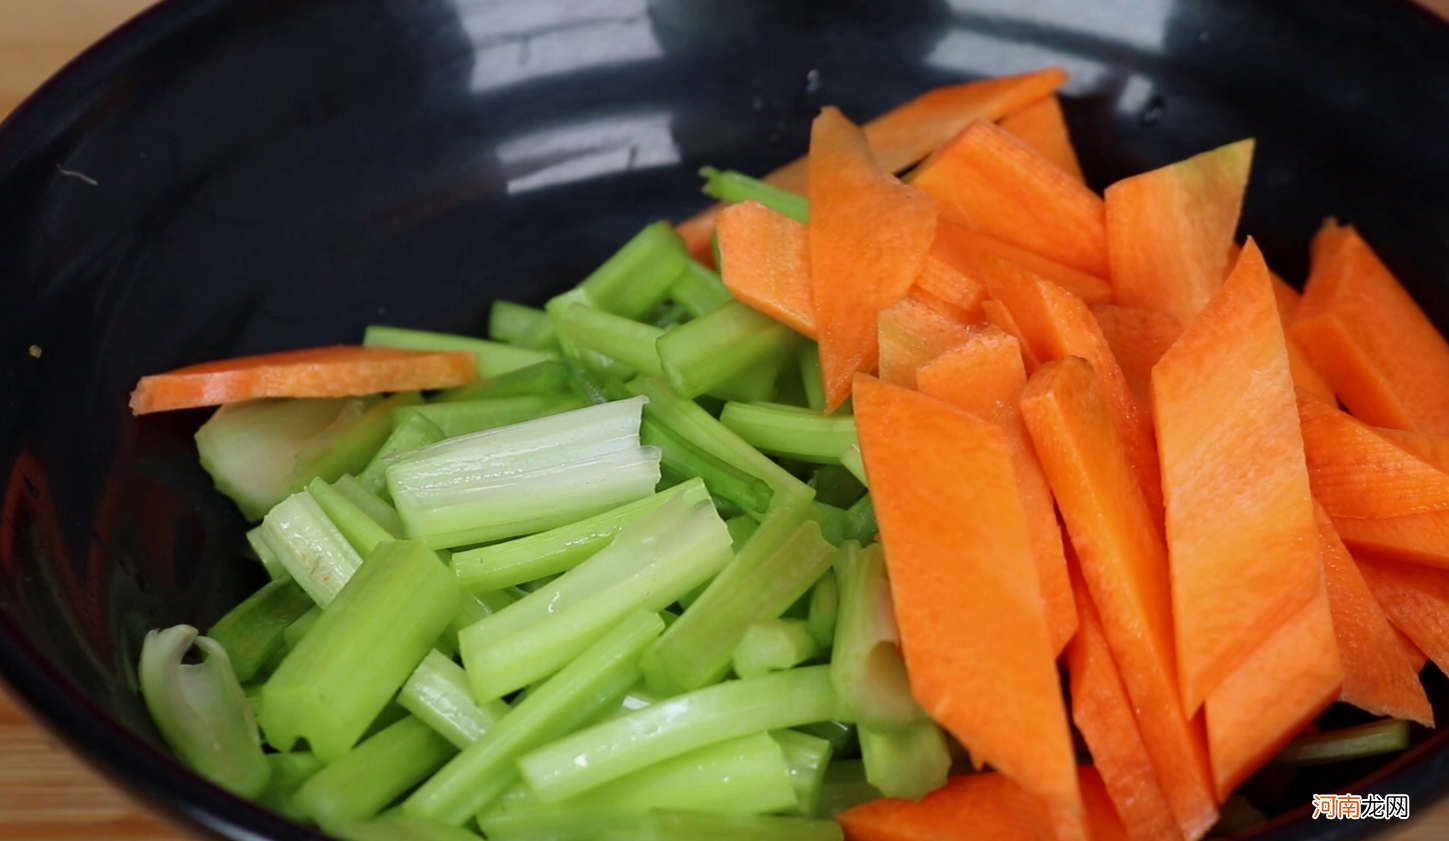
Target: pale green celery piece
<point>640,696</point>
<point>637,278</point>
<point>723,480</point>
<point>316,554</point>
<point>371,504</point>
<point>834,485</point>
<point>757,383</point>
<point>372,775</point>
<point>824,607</point>
<point>361,531</point>
<point>590,360</point>
<point>811,377</point>
<point>1373,739</point>
<point>833,522</point>
<point>525,478</point>
<point>607,751</point>
<point>583,691</point>
<point>270,562</point>
<point>466,417</point>
<point>713,349</point>
<point>670,315</point>
<point>558,550</point>
<point>866,666</point>
<point>690,826</point>
<point>201,710</point>
<point>492,358</point>
<point>649,565</point>
<point>289,772</point>
<point>253,631</point>
<point>699,290</point>
<point>437,694</point>
<point>908,762</point>
<point>548,377</point>
<point>790,431</point>
<point>730,186</point>
<point>397,827</point>
<point>414,432</point>
<point>623,339</point>
<point>860,523</point>
<point>852,461</point>
<point>772,645</point>
<point>741,528</point>
<point>472,607</point>
<point>808,757</point>
<point>346,669</point>
<point>517,324</point>
<point>845,788</point>
<point>298,629</point>
<point>839,734</point>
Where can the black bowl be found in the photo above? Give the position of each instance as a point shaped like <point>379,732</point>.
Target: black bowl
<point>225,177</point>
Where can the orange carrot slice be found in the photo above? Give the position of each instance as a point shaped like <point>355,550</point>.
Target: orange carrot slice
<point>1240,527</point>
<point>1170,231</point>
<point>1416,656</point>
<point>964,248</point>
<point>1366,336</point>
<point>1415,539</point>
<point>972,624</point>
<point>337,371</point>
<point>1138,338</point>
<point>1305,376</point>
<point>1416,600</point>
<point>1124,561</point>
<point>998,316</point>
<point>984,376</point>
<point>912,334</point>
<point>1380,674</point>
<point>1043,127</point>
<point>989,180</point>
<point>766,257</point>
<point>946,282</point>
<point>868,237</point>
<point>1287,297</point>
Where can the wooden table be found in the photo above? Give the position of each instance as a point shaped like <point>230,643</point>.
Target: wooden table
<point>45,793</point>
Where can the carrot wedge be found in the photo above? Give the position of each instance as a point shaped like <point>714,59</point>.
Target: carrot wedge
<point>1241,533</point>
<point>1414,539</point>
<point>985,376</point>
<point>998,316</point>
<point>1124,562</point>
<point>1366,336</point>
<point>1416,600</point>
<point>910,335</point>
<point>965,247</point>
<point>1138,338</point>
<point>972,624</point>
<point>868,236</point>
<point>944,282</point>
<point>336,371</point>
<point>1043,127</point>
<point>766,263</point>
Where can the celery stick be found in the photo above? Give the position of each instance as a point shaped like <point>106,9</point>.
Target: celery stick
<point>840,735</point>
<point>811,377</point>
<point>316,554</point>
<point>371,504</point>
<point>789,387</point>
<point>586,384</point>
<point>591,360</point>
<point>547,377</point>
<point>791,431</point>
<point>561,823</point>
<point>866,667</point>
<point>201,710</point>
<point>731,186</point>
<point>845,788</point>
<point>361,651</point>
<point>590,758</point>
<point>638,276</point>
<point>750,385</point>
<point>650,564</point>
<point>1373,739</point>
<point>471,608</point>
<point>614,336</point>
<point>860,521</point>
<point>466,417</point>
<point>375,773</point>
<point>824,607</point>
<point>808,757</point>
<point>253,631</point>
<point>772,645</point>
<point>699,290</point>
<point>688,826</point>
<point>741,528</point>
<point>289,772</point>
<point>585,689</point>
<point>558,550</point>
<point>412,433</point>
<point>851,460</point>
<point>298,629</point>
<point>833,522</point>
<point>492,358</point>
<point>520,325</point>
<point>438,694</point>
<point>361,531</point>
<point>525,478</point>
<point>270,562</point>
<point>402,828</point>
<point>709,351</point>
<point>835,485</point>
<point>671,315</point>
<point>909,762</point>
<point>723,480</point>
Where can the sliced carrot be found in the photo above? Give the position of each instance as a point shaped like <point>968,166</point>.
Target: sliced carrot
<point>1286,296</point>
<point>1380,674</point>
<point>1305,376</point>
<point>1418,657</point>
<point>1285,682</point>
<point>1366,336</point>
<point>868,236</point>
<point>1240,527</point>
<point>1170,231</point>
<point>1043,127</point>
<point>972,623</point>
<point>946,282</point>
<point>697,230</point>
<point>336,371</point>
<point>1415,539</point>
<point>1416,600</point>
<point>998,316</point>
<point>989,180</point>
<point>964,248</point>
<point>984,376</point>
<point>1138,338</point>
<point>1124,561</point>
<point>912,334</point>
<point>766,257</point>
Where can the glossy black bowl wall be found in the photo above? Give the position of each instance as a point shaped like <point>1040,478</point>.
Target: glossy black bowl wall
<point>226,177</point>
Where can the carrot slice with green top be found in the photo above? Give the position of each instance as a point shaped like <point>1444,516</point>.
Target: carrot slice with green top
<point>1044,128</point>
<point>1363,332</point>
<point>1416,600</point>
<point>964,248</point>
<point>868,236</point>
<point>984,376</point>
<point>1240,526</point>
<point>337,371</point>
<point>912,334</point>
<point>1138,338</point>
<point>766,263</point>
<point>972,623</point>
<point>1124,561</point>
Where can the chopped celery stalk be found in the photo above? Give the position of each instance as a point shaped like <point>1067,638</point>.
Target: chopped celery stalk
<point>584,690</point>
<point>790,431</point>
<point>751,385</point>
<point>789,387</point>
<point>711,350</point>
<point>650,564</point>
<point>845,788</point>
<point>316,554</point>
<point>772,645</point>
<point>591,360</point>
<point>671,315</point>
<point>592,757</point>
<point>833,522</point>
<point>361,531</point>
<point>730,186</point>
<point>637,278</point>
<point>347,668</point>
<point>270,562</point>
<point>1374,739</point>
<point>438,694</point>
<point>201,710</point>
<point>835,485</point>
<point>614,336</point>
<point>699,290</point>
<point>908,762</point>
<point>520,325</point>
<point>824,607</point>
<point>559,550</point>
<point>638,698</point>
<point>689,421</point>
<point>586,385</point>
<point>690,826</point>
<point>298,629</point>
<point>402,828</point>
<point>525,478</point>
<point>811,377</point>
<point>289,772</point>
<point>808,757</point>
<point>866,666</point>
<point>471,608</point>
<point>374,774</point>
<point>741,528</point>
<point>492,358</point>
<point>412,433</point>
<point>840,735</point>
<point>764,579</point>
<point>562,823</point>
<point>723,480</point>
<point>860,521</point>
<point>253,631</point>
<point>851,460</point>
<point>466,417</point>
<point>547,377</point>
<point>370,502</point>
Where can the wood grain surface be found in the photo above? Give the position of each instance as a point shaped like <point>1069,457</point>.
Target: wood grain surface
<point>46,794</point>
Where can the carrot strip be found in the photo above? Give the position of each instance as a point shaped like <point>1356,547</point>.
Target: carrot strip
<point>942,278</point>
<point>336,371</point>
<point>1138,338</point>
<point>1416,599</point>
<point>1043,127</point>
<point>868,236</point>
<point>1415,539</point>
<point>1305,376</point>
<point>766,257</point>
<point>965,248</point>
<point>1287,298</point>
<point>912,334</point>
<point>998,316</point>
